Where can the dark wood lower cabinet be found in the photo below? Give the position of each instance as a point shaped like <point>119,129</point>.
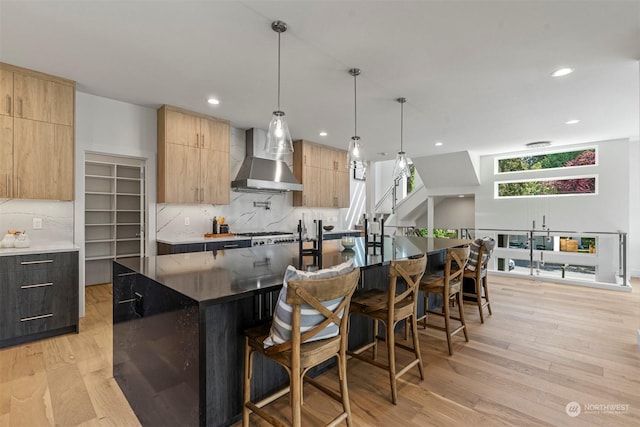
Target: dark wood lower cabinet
<point>39,296</point>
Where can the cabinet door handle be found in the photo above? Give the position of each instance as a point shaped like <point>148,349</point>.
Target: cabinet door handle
<point>44,261</point>
<point>197,139</point>
<point>37,285</point>
<point>202,194</point>
<point>202,144</point>
<point>20,102</point>
<point>42,316</point>
<point>9,104</point>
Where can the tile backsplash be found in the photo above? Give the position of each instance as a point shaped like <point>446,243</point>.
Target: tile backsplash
<point>57,219</point>
<point>240,214</point>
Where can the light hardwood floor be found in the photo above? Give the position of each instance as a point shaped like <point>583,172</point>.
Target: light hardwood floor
<point>545,346</point>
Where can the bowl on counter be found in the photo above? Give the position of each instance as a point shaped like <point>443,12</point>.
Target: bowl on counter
<point>327,227</point>
<point>348,242</point>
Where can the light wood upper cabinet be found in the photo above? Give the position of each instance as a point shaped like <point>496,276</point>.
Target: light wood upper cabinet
<point>181,128</point>
<point>37,135</point>
<point>215,135</point>
<point>43,160</point>
<point>193,158</point>
<point>323,173</point>
<point>6,157</point>
<point>180,178</point>
<point>6,93</point>
<point>215,168</point>
<point>36,98</point>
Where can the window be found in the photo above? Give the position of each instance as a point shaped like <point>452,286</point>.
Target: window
<point>580,185</point>
<point>561,159</point>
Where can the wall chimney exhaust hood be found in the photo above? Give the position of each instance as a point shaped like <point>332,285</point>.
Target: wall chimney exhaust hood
<point>261,172</point>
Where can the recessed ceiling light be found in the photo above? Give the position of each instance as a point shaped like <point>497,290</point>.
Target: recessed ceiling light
<point>572,122</point>
<point>323,134</point>
<point>538,144</point>
<point>460,195</point>
<point>213,101</point>
<point>438,144</point>
<point>562,72</point>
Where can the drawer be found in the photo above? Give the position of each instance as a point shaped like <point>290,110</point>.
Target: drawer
<point>230,244</point>
<point>36,262</point>
<point>34,302</point>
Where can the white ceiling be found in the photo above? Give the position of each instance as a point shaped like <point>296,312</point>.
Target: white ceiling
<point>476,74</point>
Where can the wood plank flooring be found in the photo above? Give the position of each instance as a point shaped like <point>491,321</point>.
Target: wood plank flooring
<point>545,346</point>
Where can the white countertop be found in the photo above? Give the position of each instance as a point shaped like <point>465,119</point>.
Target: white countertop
<point>194,239</point>
<point>37,248</point>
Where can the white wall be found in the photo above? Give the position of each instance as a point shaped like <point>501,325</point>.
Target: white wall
<point>606,211</point>
<point>610,210</point>
<point>112,127</point>
<point>454,213</point>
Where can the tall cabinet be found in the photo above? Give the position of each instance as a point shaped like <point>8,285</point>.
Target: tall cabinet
<point>114,213</point>
<point>324,174</point>
<point>37,135</point>
<point>193,157</point>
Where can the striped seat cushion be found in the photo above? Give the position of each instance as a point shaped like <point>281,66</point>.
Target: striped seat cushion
<point>310,317</point>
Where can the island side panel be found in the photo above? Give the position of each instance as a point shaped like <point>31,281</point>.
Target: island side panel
<point>155,350</point>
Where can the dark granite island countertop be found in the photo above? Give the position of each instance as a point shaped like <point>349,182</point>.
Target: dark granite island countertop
<point>179,322</point>
<point>226,275</point>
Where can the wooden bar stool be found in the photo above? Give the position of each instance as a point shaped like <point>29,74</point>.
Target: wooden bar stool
<point>328,298</point>
<point>390,307</point>
<point>477,271</point>
<point>449,286</point>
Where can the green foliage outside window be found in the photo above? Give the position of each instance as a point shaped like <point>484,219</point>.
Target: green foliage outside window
<point>548,161</point>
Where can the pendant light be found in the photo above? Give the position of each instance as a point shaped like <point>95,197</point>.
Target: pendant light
<point>401,167</point>
<point>278,136</point>
<point>354,152</point>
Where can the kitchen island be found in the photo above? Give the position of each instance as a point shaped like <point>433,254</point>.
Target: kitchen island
<point>178,322</point>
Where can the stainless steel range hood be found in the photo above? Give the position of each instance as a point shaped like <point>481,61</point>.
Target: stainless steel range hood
<point>261,171</point>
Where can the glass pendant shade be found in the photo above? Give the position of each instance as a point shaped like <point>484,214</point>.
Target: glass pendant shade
<point>354,154</point>
<point>278,136</point>
<point>401,168</point>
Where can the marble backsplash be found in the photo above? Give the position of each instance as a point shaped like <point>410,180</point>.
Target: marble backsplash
<point>240,214</point>
<point>57,219</point>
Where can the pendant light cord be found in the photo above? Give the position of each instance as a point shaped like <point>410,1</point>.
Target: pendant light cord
<point>401,123</point>
<point>279,71</point>
<point>355,105</point>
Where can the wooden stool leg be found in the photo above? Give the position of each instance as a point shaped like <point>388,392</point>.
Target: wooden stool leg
<point>416,345</point>
<point>391,349</point>
<point>426,309</point>
<point>447,321</point>
<point>486,293</point>
<point>344,390</point>
<point>479,299</point>
<point>248,366</point>
<point>375,339</point>
<point>459,297</point>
